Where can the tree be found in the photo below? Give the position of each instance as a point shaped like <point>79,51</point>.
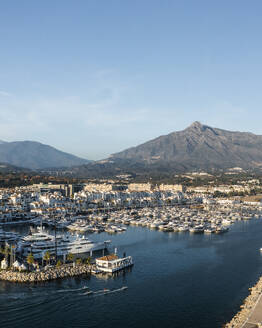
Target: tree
<point>70,257</point>
<point>78,261</point>
<point>59,263</point>
<point>30,259</point>
<point>47,257</point>
<point>88,260</point>
<point>5,251</point>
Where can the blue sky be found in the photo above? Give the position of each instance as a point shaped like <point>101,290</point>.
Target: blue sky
<point>95,77</point>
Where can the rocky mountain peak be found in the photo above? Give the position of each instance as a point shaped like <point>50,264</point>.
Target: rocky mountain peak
<point>197,126</point>
<point>199,147</point>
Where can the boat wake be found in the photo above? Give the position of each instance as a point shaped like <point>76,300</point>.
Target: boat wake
<point>71,290</point>
<point>103,291</point>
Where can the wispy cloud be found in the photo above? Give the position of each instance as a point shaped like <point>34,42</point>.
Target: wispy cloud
<point>74,122</point>
<point>5,93</point>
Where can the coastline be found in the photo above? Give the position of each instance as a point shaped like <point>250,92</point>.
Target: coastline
<point>248,316</point>
<point>50,274</point>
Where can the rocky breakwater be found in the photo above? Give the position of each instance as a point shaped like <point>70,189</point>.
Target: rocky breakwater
<point>250,303</point>
<point>49,274</point>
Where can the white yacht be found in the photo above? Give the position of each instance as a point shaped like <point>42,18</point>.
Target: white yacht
<point>41,242</point>
<point>209,230</point>
<point>39,236</point>
<point>221,229</point>
<point>197,229</point>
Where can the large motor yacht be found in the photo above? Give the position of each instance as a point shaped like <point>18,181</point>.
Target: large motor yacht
<point>40,242</point>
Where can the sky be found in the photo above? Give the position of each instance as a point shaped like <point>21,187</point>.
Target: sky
<point>94,77</point>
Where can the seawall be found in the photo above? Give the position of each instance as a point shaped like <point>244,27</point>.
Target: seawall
<point>250,314</point>
<point>49,274</point>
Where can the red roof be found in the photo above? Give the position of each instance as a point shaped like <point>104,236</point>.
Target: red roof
<point>110,257</point>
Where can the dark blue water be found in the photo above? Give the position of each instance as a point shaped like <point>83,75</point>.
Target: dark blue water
<point>178,280</point>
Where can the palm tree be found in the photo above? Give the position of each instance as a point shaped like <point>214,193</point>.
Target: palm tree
<point>30,259</point>
<point>47,257</point>
<point>59,263</point>
<point>78,261</point>
<point>88,260</point>
<point>6,251</point>
<point>70,257</point>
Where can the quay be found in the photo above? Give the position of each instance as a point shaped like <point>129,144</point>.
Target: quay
<point>250,315</point>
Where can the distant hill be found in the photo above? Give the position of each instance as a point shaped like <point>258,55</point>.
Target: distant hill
<point>198,147</point>
<point>35,155</point>
<point>7,168</point>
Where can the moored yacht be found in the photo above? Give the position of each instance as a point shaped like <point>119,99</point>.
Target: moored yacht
<point>41,242</point>
<point>197,229</point>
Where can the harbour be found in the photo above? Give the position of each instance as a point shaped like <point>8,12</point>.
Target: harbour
<point>130,164</point>
<point>38,246</point>
<point>174,277</point>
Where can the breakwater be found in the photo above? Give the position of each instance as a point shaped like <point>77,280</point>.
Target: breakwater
<point>49,274</point>
<point>250,310</point>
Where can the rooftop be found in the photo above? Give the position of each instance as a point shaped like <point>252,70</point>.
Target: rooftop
<point>110,257</point>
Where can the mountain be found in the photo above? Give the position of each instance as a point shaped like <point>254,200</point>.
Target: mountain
<point>197,147</point>
<point>35,155</point>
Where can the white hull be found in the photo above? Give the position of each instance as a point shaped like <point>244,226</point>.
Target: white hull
<point>38,253</point>
<point>39,243</point>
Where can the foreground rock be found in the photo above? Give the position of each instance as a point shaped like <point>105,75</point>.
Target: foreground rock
<point>50,274</point>
<point>242,317</point>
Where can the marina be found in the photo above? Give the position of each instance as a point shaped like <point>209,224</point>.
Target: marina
<point>177,241</point>
<point>172,271</point>
<point>130,164</point>
<point>41,245</point>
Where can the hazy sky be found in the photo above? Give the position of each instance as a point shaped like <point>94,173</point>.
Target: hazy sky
<point>95,77</point>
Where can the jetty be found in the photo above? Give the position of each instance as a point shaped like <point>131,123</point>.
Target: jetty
<point>51,273</point>
<point>250,315</point>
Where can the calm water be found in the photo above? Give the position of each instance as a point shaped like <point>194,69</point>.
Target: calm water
<point>178,280</point>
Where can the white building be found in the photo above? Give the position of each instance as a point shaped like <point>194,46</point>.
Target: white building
<point>112,263</point>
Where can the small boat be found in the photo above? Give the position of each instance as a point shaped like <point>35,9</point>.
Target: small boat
<point>88,293</point>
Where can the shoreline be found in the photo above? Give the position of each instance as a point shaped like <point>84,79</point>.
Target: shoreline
<point>248,308</point>
<point>63,271</point>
